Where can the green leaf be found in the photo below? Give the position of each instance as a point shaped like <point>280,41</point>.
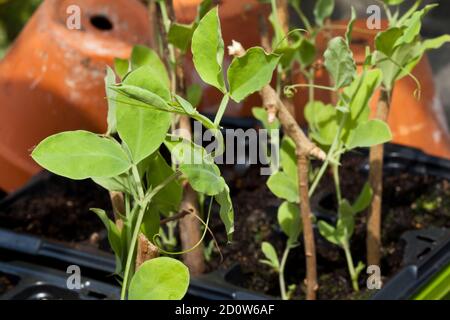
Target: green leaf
<point>328,232</point>
<point>138,97</point>
<point>203,9</point>
<point>150,222</point>
<point>346,222</point>
<point>413,25</point>
<point>385,41</point>
<point>119,183</point>
<point>261,115</point>
<point>288,157</point>
<point>200,169</point>
<point>307,52</point>
<point>364,199</point>
<point>208,50</point>
<point>251,72</point>
<point>114,236</point>
<point>289,220</point>
<point>370,133</point>
<point>348,33</point>
<point>194,94</point>
<point>159,279</point>
<point>80,154</point>
<point>204,178</point>
<point>110,79</point>
<point>338,59</point>
<point>322,119</point>
<point>169,198</point>
<point>358,96</point>
<point>122,67</point>
<point>143,129</point>
<point>226,211</point>
<point>283,186</point>
<point>180,35</point>
<point>188,109</point>
<point>143,56</point>
<point>323,10</point>
<point>149,78</point>
<point>435,43</point>
<point>271,255</point>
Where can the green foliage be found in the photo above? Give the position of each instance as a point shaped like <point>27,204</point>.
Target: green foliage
<point>400,48</point>
<point>208,50</point>
<point>160,279</point>
<point>271,256</point>
<point>169,199</point>
<point>323,10</point>
<point>338,59</point>
<point>289,221</point>
<point>80,154</point>
<point>251,72</point>
<point>370,133</point>
<point>283,186</point>
<point>140,110</point>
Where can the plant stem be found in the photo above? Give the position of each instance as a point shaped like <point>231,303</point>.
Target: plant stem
<point>137,181</point>
<point>143,203</point>
<point>351,267</point>
<point>281,279</point>
<point>337,184</point>
<point>307,85</point>
<point>373,240</point>
<point>130,255</point>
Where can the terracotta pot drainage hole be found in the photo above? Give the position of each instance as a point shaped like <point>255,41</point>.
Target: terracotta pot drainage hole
<point>101,22</point>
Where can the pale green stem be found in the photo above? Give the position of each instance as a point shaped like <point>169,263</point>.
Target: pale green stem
<point>221,111</point>
<point>337,183</point>
<point>281,279</point>
<point>143,203</point>
<point>307,85</point>
<point>351,267</point>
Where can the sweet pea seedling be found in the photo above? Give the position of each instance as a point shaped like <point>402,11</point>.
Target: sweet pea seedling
<point>141,108</point>
<point>397,51</point>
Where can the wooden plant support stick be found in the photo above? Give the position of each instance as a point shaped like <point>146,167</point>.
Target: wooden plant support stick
<point>304,150</point>
<point>373,239</point>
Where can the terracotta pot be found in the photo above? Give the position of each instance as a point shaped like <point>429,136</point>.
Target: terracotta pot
<point>52,78</point>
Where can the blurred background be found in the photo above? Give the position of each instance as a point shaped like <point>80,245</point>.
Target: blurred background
<point>15,13</point>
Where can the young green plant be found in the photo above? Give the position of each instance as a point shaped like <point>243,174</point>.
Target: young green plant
<point>398,49</point>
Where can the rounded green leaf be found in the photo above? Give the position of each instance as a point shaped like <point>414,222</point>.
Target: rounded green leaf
<point>208,50</point>
<point>251,72</point>
<point>143,129</point>
<point>143,56</point>
<point>80,155</point>
<point>283,186</point>
<point>270,253</point>
<point>289,220</point>
<point>204,178</point>
<point>159,279</point>
<point>370,133</point>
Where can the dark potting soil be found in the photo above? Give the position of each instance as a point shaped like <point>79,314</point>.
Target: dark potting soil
<point>415,202</point>
<point>7,282</point>
<point>58,208</point>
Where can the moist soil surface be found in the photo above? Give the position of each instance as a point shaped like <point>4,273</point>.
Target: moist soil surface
<point>58,208</point>
<point>415,202</point>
